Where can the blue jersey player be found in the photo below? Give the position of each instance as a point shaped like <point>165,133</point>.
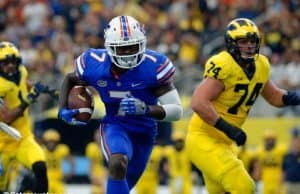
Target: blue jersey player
<point>136,87</point>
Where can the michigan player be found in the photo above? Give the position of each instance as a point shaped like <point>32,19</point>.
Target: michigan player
<point>271,158</point>
<point>233,79</point>
<point>131,80</point>
<point>55,153</point>
<point>149,181</point>
<point>180,167</point>
<point>16,97</point>
<point>97,174</point>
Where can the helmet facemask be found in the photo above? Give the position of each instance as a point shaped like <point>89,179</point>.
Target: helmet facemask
<point>127,56</point>
<point>125,42</point>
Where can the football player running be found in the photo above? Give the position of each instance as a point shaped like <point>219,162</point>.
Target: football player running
<point>233,79</point>
<point>136,87</point>
<point>15,97</point>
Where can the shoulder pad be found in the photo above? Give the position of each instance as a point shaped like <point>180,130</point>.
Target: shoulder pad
<point>218,66</point>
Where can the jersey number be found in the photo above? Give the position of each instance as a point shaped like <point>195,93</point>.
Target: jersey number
<point>215,70</point>
<point>244,87</point>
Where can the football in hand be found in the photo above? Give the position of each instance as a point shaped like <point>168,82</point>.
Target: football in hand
<point>81,98</point>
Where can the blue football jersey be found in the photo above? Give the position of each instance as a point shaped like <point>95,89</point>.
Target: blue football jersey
<point>93,66</point>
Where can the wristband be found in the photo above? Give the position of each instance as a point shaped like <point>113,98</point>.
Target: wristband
<point>291,98</point>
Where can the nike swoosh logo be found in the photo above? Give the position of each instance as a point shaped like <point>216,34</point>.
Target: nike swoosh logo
<point>135,84</point>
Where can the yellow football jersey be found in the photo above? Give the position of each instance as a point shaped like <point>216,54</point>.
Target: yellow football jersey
<point>180,170</point>
<point>271,162</point>
<point>239,95</point>
<point>97,170</point>
<point>54,161</point>
<point>149,181</point>
<point>9,92</point>
<point>246,155</point>
<point>94,154</point>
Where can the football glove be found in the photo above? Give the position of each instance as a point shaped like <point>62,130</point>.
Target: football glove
<point>234,133</point>
<point>39,87</point>
<point>30,99</point>
<point>132,106</point>
<point>67,115</point>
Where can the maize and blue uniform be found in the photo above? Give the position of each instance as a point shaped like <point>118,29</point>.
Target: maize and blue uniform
<point>131,135</point>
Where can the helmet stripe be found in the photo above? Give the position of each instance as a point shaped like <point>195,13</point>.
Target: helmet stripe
<point>124,26</point>
<point>129,31</point>
<point>121,28</point>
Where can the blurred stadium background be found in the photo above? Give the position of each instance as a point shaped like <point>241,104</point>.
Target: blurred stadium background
<point>50,34</point>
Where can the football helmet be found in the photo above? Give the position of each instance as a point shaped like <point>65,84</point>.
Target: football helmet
<point>242,29</point>
<point>125,41</point>
<point>51,135</point>
<point>9,54</point>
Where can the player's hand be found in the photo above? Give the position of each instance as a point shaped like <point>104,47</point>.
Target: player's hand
<point>132,106</point>
<point>39,87</point>
<point>28,100</point>
<point>54,94</point>
<point>67,115</point>
<point>239,136</point>
<point>233,132</point>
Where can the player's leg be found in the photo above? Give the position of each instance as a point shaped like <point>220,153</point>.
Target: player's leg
<point>5,160</point>
<point>117,150</point>
<point>237,180</point>
<point>212,186</point>
<point>142,147</point>
<point>31,155</point>
<point>219,165</point>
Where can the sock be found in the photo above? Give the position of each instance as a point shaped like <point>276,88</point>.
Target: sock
<point>40,171</point>
<point>117,186</point>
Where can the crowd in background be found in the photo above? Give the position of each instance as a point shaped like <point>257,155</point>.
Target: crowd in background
<point>50,34</point>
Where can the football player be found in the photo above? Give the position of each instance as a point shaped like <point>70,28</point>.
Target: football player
<point>16,97</point>
<point>135,84</point>
<point>233,79</point>
<point>179,165</point>
<point>149,181</point>
<point>271,158</point>
<point>97,173</point>
<point>55,153</point>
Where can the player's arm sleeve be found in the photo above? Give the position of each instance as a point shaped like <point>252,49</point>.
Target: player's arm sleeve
<point>64,150</point>
<point>171,104</point>
<point>215,68</point>
<point>89,151</point>
<point>165,72</point>
<point>81,65</point>
<point>170,101</point>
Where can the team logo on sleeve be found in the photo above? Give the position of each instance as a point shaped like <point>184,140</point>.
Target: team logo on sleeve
<point>102,83</point>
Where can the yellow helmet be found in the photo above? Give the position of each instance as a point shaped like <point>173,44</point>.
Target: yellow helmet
<point>8,51</point>
<point>237,29</point>
<point>269,134</point>
<point>51,135</point>
<point>178,135</point>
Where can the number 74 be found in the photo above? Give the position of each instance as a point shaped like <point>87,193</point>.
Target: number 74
<point>244,87</point>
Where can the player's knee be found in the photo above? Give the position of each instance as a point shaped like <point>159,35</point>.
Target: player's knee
<point>238,181</point>
<point>117,166</point>
<point>247,187</point>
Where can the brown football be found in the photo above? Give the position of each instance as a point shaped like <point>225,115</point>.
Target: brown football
<point>81,98</point>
